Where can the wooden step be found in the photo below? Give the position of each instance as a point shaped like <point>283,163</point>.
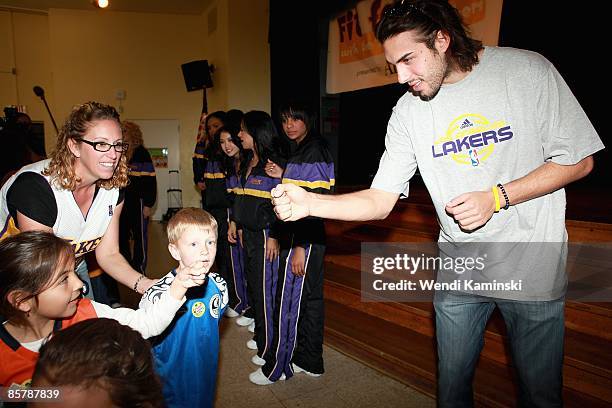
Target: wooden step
<point>409,357</point>
<point>587,358</point>
<point>594,318</point>
<point>406,226</point>
<point>368,330</point>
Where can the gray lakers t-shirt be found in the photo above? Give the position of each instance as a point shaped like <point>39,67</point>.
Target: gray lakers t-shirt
<point>507,117</point>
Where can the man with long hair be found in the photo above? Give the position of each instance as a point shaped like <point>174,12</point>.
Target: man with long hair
<point>496,133</point>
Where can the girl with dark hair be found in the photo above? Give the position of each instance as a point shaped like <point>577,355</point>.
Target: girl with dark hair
<point>216,201</point>
<point>76,194</point>
<point>254,215</point>
<point>221,189</point>
<point>298,316</point>
<point>41,294</point>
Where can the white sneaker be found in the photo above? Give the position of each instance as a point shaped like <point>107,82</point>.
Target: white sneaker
<point>229,312</point>
<point>258,360</point>
<point>251,327</point>
<point>251,345</point>
<point>244,321</point>
<point>298,369</point>
<point>258,377</point>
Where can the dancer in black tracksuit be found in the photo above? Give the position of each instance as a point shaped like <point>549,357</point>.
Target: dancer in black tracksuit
<point>206,132</point>
<point>216,202</point>
<point>254,215</point>
<point>228,143</point>
<point>299,312</point>
<point>140,197</point>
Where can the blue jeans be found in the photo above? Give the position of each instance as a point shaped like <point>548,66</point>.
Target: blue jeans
<point>535,331</point>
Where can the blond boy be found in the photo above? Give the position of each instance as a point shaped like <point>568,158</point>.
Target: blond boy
<point>186,354</point>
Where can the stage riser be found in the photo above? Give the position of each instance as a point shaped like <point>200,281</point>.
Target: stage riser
<point>368,331</point>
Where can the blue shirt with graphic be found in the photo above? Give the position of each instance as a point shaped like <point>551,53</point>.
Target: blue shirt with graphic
<point>187,353</point>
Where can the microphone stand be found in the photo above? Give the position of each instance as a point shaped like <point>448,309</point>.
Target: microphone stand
<point>41,94</point>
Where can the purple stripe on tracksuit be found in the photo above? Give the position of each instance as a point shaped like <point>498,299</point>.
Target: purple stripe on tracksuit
<point>142,167</point>
<point>289,315</point>
<point>270,279</point>
<point>240,285</point>
<point>309,171</point>
<point>212,166</point>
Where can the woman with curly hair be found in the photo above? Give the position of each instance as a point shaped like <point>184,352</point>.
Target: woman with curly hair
<point>140,197</point>
<point>206,133</point>
<point>76,194</point>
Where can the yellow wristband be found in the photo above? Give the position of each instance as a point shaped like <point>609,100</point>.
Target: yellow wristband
<point>496,197</point>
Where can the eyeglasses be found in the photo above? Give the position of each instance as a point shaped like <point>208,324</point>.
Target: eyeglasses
<point>105,147</point>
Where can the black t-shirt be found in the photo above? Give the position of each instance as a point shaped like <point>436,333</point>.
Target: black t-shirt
<point>32,196</point>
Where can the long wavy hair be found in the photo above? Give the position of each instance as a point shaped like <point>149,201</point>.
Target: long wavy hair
<point>80,120</point>
<point>132,135</point>
<point>266,141</point>
<point>426,18</point>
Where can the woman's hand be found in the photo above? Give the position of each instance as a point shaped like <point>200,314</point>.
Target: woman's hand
<point>272,249</point>
<point>298,261</point>
<point>231,233</point>
<point>273,170</point>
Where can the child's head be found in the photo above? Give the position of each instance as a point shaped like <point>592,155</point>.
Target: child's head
<point>37,276</point>
<point>192,237</point>
<point>99,362</point>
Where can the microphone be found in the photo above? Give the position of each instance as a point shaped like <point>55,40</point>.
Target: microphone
<point>40,92</point>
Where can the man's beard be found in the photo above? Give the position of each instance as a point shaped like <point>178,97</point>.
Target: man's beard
<point>438,80</point>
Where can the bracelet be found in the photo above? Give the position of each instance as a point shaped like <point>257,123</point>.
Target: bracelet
<point>496,197</point>
<point>503,190</point>
<point>137,282</point>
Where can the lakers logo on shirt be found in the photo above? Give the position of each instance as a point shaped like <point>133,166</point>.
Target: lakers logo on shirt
<point>81,248</point>
<point>471,139</point>
<point>198,309</point>
<point>214,305</point>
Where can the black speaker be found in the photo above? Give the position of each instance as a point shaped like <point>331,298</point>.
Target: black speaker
<point>197,75</point>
